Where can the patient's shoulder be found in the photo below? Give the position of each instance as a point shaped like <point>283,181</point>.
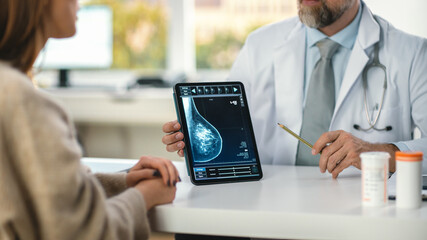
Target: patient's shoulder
<point>17,92</point>
<point>13,83</point>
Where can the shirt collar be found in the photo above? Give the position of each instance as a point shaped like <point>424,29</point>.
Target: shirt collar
<point>345,37</point>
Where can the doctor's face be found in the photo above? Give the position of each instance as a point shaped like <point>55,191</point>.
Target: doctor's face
<point>322,13</point>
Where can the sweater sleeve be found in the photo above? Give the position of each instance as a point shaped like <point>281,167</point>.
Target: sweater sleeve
<point>61,201</point>
<point>113,183</point>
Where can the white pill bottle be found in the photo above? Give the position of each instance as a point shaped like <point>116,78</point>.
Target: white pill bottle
<point>374,178</point>
<point>408,179</point>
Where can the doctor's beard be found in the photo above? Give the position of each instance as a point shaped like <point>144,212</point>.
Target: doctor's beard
<point>323,14</point>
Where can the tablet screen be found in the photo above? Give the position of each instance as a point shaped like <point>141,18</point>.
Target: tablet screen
<point>220,143</point>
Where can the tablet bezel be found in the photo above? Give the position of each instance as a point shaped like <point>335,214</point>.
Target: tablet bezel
<point>184,130</point>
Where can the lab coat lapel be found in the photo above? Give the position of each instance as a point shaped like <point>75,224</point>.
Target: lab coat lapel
<point>289,60</point>
<point>368,35</point>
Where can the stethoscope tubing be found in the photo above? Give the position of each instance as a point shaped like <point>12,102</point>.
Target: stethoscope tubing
<point>375,64</point>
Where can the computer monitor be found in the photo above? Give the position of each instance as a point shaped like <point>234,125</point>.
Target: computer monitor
<point>90,48</point>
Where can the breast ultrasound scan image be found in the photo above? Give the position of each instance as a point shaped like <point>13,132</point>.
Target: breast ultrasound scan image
<point>219,132</point>
<point>205,138</point>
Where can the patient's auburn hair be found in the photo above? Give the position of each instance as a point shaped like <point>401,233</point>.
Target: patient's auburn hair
<point>20,23</point>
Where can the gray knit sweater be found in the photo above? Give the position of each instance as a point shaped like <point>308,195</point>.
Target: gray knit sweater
<point>45,193</point>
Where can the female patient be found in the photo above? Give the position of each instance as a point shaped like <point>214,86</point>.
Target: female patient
<point>44,191</point>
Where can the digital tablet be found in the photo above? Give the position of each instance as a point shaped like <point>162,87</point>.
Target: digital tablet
<point>219,139</point>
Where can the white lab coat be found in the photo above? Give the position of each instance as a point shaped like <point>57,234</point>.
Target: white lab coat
<point>271,66</point>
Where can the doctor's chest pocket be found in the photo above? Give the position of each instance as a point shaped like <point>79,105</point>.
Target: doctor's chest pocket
<point>388,128</point>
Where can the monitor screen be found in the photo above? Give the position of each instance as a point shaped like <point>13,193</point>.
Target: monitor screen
<point>91,47</point>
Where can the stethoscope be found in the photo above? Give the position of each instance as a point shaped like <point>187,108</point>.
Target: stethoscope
<point>375,64</point>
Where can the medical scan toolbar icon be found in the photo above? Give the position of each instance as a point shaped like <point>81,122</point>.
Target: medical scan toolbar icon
<point>210,90</point>
<point>206,141</point>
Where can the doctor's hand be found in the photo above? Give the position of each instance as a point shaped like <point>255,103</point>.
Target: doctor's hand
<point>340,150</point>
<point>173,139</point>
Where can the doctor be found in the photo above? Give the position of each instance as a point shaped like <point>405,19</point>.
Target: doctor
<point>279,62</point>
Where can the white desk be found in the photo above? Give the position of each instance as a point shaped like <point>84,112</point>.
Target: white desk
<point>289,202</point>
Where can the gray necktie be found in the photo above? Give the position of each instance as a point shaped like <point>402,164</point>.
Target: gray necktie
<point>320,103</point>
